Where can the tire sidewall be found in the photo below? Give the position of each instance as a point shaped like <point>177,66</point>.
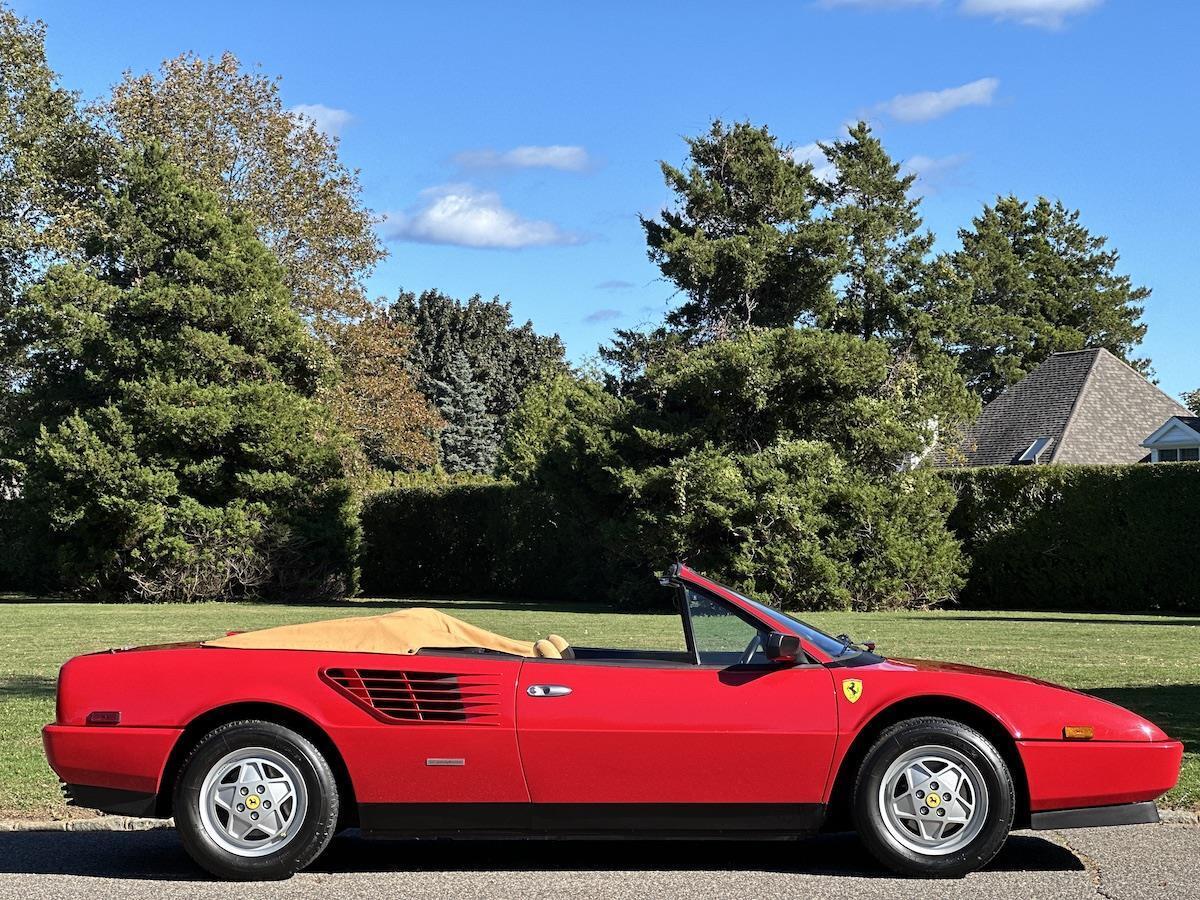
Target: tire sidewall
<point>997,781</point>
<point>314,832</point>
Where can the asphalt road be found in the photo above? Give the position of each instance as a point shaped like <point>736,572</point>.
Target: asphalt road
<point>1157,861</point>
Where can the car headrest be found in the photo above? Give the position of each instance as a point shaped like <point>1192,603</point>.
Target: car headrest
<point>546,650</point>
<point>561,646</point>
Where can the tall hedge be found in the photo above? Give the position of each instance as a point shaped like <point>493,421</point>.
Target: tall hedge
<point>489,538</point>
<point>1080,537</point>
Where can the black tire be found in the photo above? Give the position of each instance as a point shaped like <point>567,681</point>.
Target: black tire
<point>309,836</point>
<point>938,733</point>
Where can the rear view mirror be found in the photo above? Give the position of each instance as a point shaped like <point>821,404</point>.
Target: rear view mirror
<point>781,647</point>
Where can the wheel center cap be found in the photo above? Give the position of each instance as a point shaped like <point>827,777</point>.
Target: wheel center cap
<point>252,802</point>
<point>933,800</point>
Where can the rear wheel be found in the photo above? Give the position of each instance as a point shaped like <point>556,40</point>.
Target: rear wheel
<point>255,800</point>
<point>933,798</point>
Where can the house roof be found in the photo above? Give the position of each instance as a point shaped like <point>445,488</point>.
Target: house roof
<point>1090,406</point>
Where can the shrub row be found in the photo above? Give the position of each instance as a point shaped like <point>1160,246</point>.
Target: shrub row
<point>481,539</point>
<point>1039,537</point>
<point>1080,537</point>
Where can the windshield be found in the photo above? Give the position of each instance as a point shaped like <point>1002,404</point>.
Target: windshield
<point>819,639</point>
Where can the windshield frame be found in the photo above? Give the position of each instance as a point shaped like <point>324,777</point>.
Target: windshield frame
<point>819,646</point>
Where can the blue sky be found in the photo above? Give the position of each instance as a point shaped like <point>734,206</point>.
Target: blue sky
<point>512,146</point>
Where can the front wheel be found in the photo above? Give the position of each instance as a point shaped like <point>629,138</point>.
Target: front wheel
<point>255,800</point>
<point>933,798</point>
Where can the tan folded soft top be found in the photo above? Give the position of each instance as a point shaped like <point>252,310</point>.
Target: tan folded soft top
<point>405,631</point>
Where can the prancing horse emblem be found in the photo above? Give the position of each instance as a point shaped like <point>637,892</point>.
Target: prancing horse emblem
<point>852,688</point>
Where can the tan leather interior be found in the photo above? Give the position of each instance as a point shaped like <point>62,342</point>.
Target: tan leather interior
<point>560,644</point>
<point>405,631</point>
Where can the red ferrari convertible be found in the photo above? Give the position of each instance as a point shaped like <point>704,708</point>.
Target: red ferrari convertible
<point>263,745</point>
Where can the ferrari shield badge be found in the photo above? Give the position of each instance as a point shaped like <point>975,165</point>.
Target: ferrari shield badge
<point>852,688</point>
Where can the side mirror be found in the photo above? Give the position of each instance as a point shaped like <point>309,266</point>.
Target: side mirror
<point>781,647</point>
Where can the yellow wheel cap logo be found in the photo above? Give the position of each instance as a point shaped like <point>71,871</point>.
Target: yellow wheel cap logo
<point>252,802</point>
<point>933,800</point>
<point>852,688</point>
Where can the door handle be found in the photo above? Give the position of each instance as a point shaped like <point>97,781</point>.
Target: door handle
<point>547,690</point>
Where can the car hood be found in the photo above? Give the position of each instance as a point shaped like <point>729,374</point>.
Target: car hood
<point>1029,707</point>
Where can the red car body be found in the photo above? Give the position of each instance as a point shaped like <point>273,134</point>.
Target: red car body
<point>608,743</point>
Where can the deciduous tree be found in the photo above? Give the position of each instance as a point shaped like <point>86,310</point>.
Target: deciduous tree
<point>376,398</point>
<point>229,130</point>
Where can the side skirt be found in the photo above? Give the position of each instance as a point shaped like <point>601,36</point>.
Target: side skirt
<point>1096,816</point>
<point>641,820</point>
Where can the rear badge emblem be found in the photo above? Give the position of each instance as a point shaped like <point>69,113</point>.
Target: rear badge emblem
<point>852,688</point>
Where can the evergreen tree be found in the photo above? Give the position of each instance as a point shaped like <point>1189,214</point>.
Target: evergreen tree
<point>169,444</point>
<point>742,244</point>
<point>503,358</point>
<point>883,257</point>
<point>469,440</point>
<point>1033,281</point>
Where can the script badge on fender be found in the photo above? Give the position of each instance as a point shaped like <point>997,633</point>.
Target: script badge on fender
<point>852,688</point>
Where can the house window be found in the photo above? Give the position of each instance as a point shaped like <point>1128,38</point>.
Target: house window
<point>1179,454</point>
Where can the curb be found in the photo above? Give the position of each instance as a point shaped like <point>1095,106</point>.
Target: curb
<point>1179,817</point>
<point>100,823</point>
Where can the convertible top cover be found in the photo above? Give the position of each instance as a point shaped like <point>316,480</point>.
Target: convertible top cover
<point>405,631</point>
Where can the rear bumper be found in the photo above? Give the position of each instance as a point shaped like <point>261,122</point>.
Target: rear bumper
<point>123,759</point>
<point>1095,816</point>
<point>1069,775</point>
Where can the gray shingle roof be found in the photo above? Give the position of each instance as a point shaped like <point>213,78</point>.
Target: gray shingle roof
<point>1092,407</point>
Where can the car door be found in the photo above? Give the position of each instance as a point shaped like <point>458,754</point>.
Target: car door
<point>435,748</point>
<point>730,741</point>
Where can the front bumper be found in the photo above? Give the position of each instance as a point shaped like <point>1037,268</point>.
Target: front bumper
<point>118,758</point>
<point>1069,775</point>
<point>1095,816</point>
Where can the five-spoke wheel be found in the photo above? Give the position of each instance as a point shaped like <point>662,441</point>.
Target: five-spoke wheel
<point>255,800</point>
<point>933,798</point>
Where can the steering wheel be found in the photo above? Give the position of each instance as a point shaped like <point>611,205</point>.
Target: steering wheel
<point>756,642</point>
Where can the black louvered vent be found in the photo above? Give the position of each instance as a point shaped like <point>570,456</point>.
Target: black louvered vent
<point>434,697</point>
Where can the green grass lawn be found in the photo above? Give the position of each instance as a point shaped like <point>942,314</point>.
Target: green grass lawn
<point>1149,663</point>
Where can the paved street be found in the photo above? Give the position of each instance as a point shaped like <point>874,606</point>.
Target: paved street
<point>1149,861</point>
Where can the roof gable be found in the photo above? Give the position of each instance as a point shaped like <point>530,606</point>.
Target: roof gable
<point>1176,431</point>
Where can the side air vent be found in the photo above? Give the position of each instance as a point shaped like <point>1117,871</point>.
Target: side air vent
<point>431,697</point>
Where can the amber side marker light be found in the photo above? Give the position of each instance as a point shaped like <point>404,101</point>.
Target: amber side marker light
<point>104,717</point>
<point>1078,732</point>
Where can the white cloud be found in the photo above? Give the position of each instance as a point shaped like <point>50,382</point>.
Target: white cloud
<point>823,169</point>
<point>556,156</point>
<point>1041,13</point>
<point>926,105</point>
<point>933,172</point>
<point>615,284</point>
<point>464,216</point>
<point>328,119</point>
